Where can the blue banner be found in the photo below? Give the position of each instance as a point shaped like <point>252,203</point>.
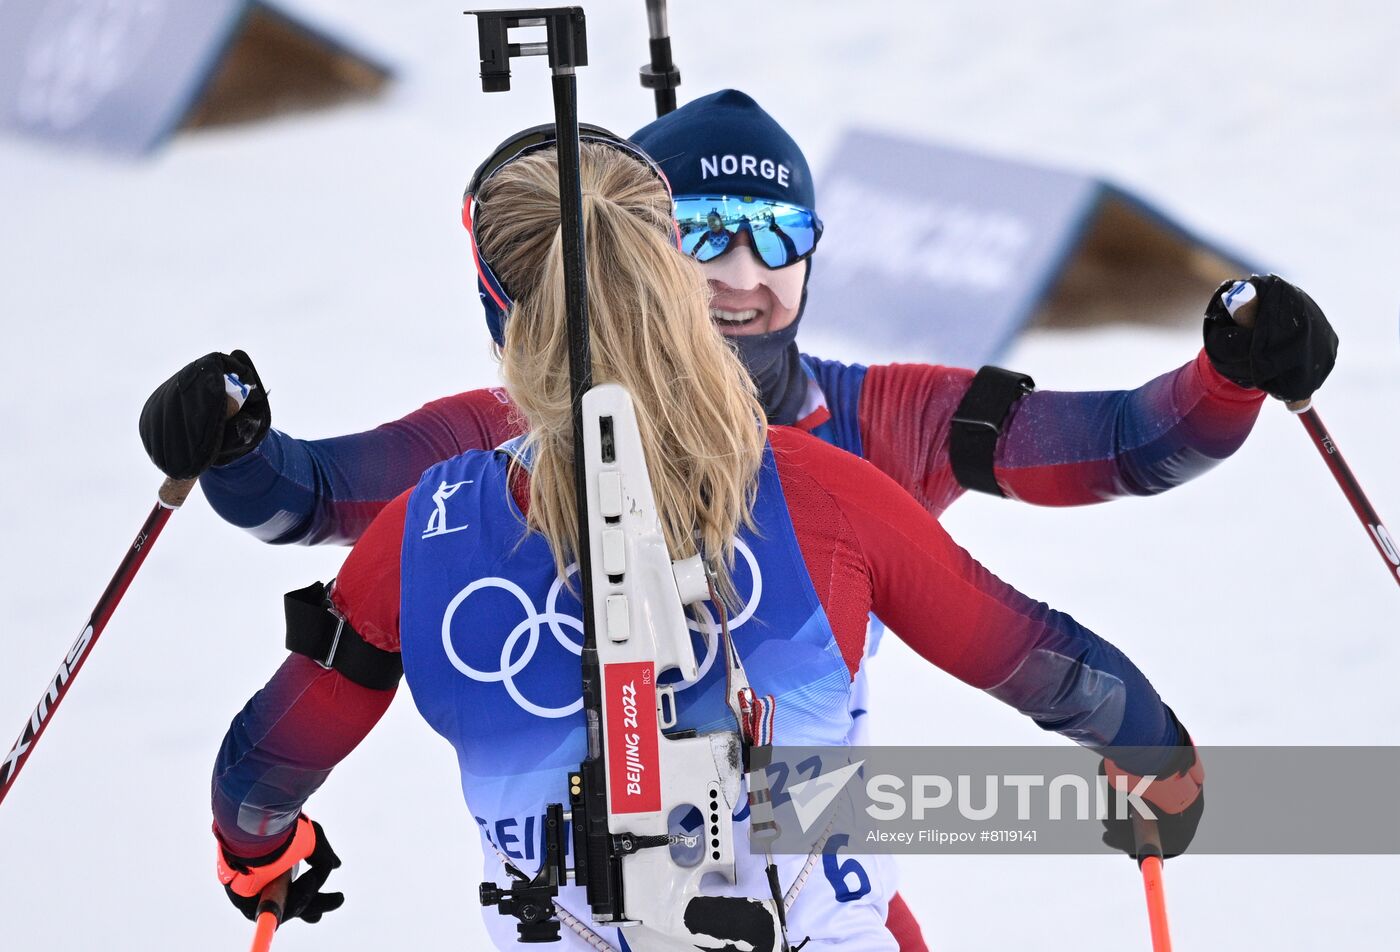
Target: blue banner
<point>946,253</point>
<point>112,74</point>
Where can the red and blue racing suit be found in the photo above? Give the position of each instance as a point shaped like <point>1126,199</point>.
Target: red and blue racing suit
<point>863,545</point>
<point>1056,448</point>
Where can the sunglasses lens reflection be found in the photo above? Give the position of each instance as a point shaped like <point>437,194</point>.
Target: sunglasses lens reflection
<point>780,234</point>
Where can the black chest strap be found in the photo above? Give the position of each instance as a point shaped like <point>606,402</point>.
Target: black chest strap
<point>977,422</point>
<point>315,630</point>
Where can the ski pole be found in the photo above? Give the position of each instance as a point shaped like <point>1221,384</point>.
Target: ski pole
<point>272,902</point>
<point>1149,855</point>
<point>1380,535</point>
<point>172,495</point>
<point>1242,306</point>
<point>661,74</point>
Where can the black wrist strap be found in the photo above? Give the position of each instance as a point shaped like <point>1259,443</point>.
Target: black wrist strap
<point>314,630</point>
<point>972,440</point>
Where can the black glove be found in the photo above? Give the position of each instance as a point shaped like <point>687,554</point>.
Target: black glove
<point>1288,353</point>
<point>185,425</point>
<point>1177,796</point>
<point>244,879</point>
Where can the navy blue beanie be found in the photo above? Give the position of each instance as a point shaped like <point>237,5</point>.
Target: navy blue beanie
<point>725,144</point>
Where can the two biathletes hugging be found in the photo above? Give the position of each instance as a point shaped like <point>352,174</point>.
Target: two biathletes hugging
<point>824,478</point>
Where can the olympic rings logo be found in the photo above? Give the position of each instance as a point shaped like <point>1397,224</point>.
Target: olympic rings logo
<point>557,621</point>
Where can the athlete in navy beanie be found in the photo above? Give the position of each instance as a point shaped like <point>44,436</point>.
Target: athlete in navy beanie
<point>724,144</point>
<point>692,143</point>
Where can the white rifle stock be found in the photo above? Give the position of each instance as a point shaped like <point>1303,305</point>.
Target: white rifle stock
<point>638,602</point>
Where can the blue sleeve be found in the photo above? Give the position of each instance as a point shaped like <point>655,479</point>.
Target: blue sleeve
<point>840,385</point>
<point>275,492</point>
<point>328,491</point>
<point>1069,449</point>
<point>282,746</point>
<point>1075,683</point>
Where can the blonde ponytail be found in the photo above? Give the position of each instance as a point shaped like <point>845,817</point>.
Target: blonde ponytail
<point>701,422</point>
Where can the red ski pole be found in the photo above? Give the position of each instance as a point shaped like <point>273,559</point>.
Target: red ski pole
<point>1380,535</point>
<point>1242,306</point>
<point>173,493</point>
<point>1149,853</point>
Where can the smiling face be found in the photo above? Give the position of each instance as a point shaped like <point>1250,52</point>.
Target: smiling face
<point>748,298</point>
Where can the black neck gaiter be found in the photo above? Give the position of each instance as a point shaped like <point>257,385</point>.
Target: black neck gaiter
<point>773,362</point>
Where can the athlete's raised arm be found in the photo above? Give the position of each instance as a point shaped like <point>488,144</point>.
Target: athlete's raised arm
<point>284,489</point>
<point>1057,448</point>
<point>1062,448</point>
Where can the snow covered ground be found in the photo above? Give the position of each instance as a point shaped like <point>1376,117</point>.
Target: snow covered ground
<point>329,248</point>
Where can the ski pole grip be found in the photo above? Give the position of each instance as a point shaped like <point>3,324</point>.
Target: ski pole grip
<point>1243,305</point>
<point>174,492</point>
<point>273,898</point>
<point>272,903</point>
<point>1147,839</point>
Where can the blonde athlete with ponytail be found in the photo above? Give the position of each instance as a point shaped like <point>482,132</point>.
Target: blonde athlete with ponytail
<point>701,422</point>
<point>465,580</point>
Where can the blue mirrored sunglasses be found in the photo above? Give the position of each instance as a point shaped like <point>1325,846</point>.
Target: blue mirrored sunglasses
<point>781,234</point>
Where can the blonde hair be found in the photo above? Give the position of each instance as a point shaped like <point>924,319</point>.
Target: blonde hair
<point>702,425</point>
